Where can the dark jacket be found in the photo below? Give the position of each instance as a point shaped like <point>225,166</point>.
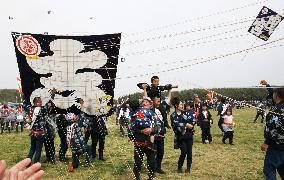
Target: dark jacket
<point>97,126</point>
<point>274,127</point>
<point>40,123</point>
<point>179,123</point>
<point>159,120</point>
<point>142,119</point>
<point>74,131</point>
<point>204,122</point>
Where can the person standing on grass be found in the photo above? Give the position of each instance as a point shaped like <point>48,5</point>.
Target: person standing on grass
<point>161,122</point>
<point>183,125</point>
<point>38,116</point>
<point>220,109</point>
<point>20,119</point>
<point>4,116</point>
<point>123,118</point>
<point>98,133</point>
<point>205,120</point>
<point>228,126</point>
<point>141,133</point>
<point>259,111</point>
<point>274,134</point>
<point>75,137</point>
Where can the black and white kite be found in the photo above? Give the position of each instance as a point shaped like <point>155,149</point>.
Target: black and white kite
<point>265,23</point>
<point>76,66</point>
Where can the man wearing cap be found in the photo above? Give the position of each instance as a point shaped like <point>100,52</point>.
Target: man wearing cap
<point>142,133</point>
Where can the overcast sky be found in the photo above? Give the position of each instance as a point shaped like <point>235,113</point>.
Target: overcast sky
<point>137,20</point>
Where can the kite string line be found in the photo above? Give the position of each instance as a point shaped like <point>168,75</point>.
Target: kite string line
<point>179,45</point>
<point>190,60</point>
<point>182,46</point>
<point>168,47</point>
<point>177,34</point>
<point>160,49</point>
<point>205,61</point>
<point>192,19</point>
<point>198,18</point>
<point>231,99</point>
<point>164,36</point>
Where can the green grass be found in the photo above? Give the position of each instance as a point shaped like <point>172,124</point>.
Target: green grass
<point>244,160</point>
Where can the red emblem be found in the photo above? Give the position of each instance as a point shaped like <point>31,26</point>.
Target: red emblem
<point>140,115</point>
<point>28,45</point>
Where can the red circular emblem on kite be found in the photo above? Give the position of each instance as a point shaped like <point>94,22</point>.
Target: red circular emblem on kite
<point>140,115</point>
<point>28,45</point>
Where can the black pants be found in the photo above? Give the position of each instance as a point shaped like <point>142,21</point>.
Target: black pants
<point>96,138</point>
<point>206,134</point>
<point>49,148</point>
<point>36,147</point>
<point>274,161</point>
<point>8,126</point>
<point>20,124</point>
<point>138,161</point>
<point>13,125</point>
<point>160,153</point>
<point>220,122</point>
<point>185,151</point>
<point>123,126</point>
<point>259,114</point>
<point>230,135</point>
<point>63,144</point>
<point>76,155</point>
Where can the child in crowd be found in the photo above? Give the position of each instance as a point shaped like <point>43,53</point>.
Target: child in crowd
<point>228,126</point>
<point>205,121</point>
<point>75,137</point>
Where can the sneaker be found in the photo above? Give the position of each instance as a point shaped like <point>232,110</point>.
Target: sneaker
<point>223,141</point>
<point>160,171</point>
<point>206,141</point>
<point>187,171</point>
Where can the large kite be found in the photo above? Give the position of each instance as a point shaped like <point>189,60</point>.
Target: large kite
<point>76,66</point>
<point>265,23</point>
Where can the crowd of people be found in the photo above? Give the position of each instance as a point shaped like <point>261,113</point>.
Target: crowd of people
<point>11,118</point>
<point>146,124</point>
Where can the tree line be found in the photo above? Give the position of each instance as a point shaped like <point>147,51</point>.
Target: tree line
<point>9,95</point>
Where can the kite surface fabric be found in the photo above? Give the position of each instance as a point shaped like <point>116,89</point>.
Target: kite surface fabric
<point>265,23</point>
<point>78,67</point>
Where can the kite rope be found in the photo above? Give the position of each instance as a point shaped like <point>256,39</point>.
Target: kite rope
<point>186,21</point>
<point>199,18</point>
<point>170,35</point>
<point>208,60</point>
<point>196,59</point>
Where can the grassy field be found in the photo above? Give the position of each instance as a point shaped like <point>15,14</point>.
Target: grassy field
<point>244,160</point>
